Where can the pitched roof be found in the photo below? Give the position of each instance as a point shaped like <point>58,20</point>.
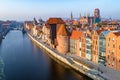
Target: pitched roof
<point>76,34</point>
<point>99,31</point>
<point>117,33</point>
<point>55,21</point>
<point>105,32</point>
<point>62,30</point>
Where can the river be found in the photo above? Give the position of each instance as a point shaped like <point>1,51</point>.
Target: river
<point>21,59</point>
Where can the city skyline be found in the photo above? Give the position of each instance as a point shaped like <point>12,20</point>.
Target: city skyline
<point>28,9</point>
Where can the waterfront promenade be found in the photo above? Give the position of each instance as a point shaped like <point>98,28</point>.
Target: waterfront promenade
<point>92,70</point>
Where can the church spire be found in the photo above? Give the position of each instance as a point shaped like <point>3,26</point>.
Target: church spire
<point>71,17</point>
<point>80,15</point>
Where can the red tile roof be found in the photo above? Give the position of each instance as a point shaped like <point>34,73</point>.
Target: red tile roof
<point>62,30</point>
<point>75,34</point>
<point>99,31</point>
<point>55,21</point>
<point>117,33</point>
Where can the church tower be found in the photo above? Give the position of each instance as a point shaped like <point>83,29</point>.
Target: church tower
<point>97,18</point>
<point>97,13</point>
<point>71,16</point>
<point>62,39</point>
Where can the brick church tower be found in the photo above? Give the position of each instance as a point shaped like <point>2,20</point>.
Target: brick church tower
<point>62,39</point>
<point>97,17</point>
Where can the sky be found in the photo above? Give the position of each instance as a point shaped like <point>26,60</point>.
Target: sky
<point>23,10</point>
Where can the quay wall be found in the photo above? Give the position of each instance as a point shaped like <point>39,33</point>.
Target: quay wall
<point>68,61</point>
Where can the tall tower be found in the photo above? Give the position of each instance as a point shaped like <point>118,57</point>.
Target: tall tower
<point>80,16</point>
<point>97,13</point>
<point>97,18</point>
<point>71,17</point>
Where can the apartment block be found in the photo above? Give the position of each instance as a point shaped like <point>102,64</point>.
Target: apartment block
<point>95,45</point>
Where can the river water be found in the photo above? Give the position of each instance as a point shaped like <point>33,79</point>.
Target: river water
<point>21,59</point>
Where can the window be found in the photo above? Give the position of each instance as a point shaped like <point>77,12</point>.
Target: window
<point>112,51</point>
<point>109,39</point>
<point>113,58</point>
<point>112,64</point>
<point>113,39</point>
<point>113,46</point>
<point>109,51</point>
<point>108,56</point>
<point>108,45</point>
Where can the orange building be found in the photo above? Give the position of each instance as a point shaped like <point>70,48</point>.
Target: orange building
<point>95,44</point>
<point>85,45</point>
<point>62,39</point>
<point>112,50</point>
<point>118,51</point>
<point>74,42</point>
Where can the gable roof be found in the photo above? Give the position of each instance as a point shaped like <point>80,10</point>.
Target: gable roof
<point>105,32</point>
<point>99,31</point>
<point>75,34</point>
<point>55,21</point>
<point>62,30</point>
<point>117,33</point>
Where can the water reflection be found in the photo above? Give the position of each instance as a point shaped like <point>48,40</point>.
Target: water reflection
<point>25,61</point>
<point>2,75</point>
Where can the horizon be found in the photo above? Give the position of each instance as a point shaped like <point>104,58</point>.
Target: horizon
<point>22,10</point>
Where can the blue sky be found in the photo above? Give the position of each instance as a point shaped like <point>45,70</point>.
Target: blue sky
<point>27,9</point>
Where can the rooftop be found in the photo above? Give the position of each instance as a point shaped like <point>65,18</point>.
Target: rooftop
<point>75,34</point>
<point>117,33</point>
<point>62,30</point>
<point>55,21</point>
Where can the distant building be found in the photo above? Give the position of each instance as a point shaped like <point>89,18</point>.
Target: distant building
<point>71,17</point>
<point>86,20</point>
<point>97,18</point>
<point>46,32</point>
<point>89,20</point>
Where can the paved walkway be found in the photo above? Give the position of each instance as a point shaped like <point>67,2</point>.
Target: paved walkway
<point>105,72</point>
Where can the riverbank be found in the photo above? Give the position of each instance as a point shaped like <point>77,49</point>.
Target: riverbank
<point>67,60</point>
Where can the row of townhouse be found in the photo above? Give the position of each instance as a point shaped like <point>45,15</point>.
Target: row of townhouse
<point>99,46</point>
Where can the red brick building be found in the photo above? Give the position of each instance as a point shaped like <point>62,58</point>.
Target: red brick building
<point>53,22</point>
<point>62,39</point>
